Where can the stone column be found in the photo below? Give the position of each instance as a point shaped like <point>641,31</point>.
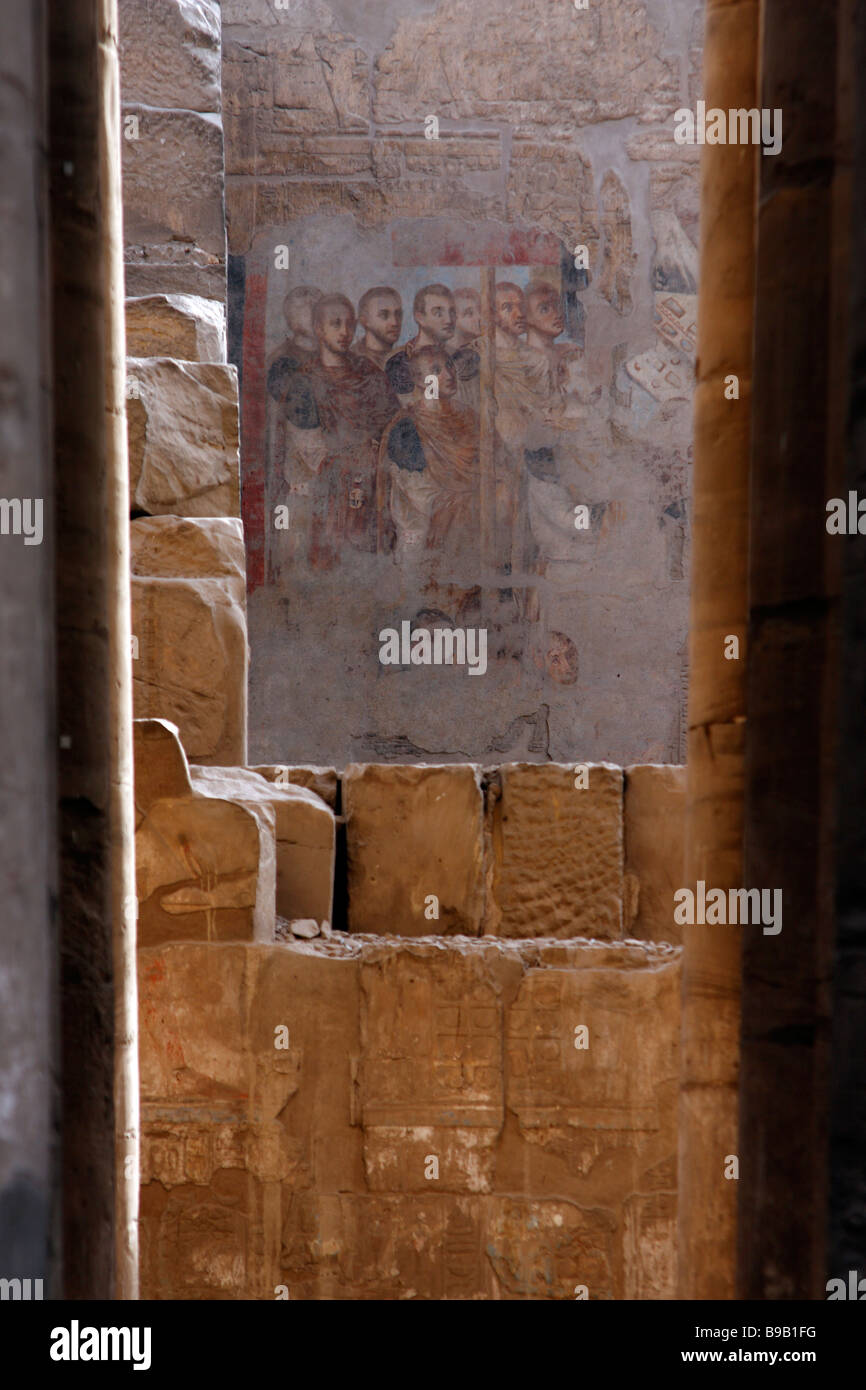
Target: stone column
<point>848,1115</point>
<point>98,1028</point>
<point>711,955</point>
<point>29,1162</point>
<point>793,686</point>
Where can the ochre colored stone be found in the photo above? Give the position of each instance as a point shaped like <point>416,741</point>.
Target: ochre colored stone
<point>170,53</point>
<point>293,1097</point>
<point>205,871</point>
<point>161,768</point>
<point>183,326</point>
<point>182,425</point>
<point>191,662</point>
<point>174,547</point>
<point>321,780</point>
<point>414,845</point>
<point>173,203</point>
<point>305,837</point>
<point>557,852</point>
<point>654,825</point>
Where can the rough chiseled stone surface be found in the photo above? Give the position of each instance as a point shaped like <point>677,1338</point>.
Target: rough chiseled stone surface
<point>556,850</point>
<point>206,861</point>
<point>161,768</point>
<point>191,662</point>
<point>174,202</point>
<point>654,826</point>
<point>321,780</point>
<point>170,53</point>
<point>205,871</point>
<point>305,837</point>
<point>182,424</point>
<point>294,1095</point>
<point>414,833</point>
<point>181,547</point>
<point>183,326</point>
<point>189,632</point>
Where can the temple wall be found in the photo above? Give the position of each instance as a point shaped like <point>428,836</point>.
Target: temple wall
<point>388,1113</point>
<point>408,1030</point>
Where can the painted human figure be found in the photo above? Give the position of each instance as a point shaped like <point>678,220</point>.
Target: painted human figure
<point>380,314</point>
<point>435,316</point>
<point>467,306</point>
<point>464,345</point>
<point>429,455</point>
<point>300,343</point>
<point>336,407</point>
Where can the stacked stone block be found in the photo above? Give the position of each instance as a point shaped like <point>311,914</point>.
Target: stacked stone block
<point>189,588</point>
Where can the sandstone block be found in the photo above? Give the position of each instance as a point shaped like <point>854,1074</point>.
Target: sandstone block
<point>182,425</point>
<point>431,1078</point>
<point>205,871</point>
<point>161,768</point>
<point>191,664</point>
<point>175,547</point>
<point>305,837</point>
<point>184,326</point>
<point>414,834</point>
<point>173,203</point>
<point>650,1246</point>
<point>170,53</point>
<point>321,780</point>
<point>246,1083</point>
<point>557,852</point>
<point>654,823</point>
<point>593,1070</point>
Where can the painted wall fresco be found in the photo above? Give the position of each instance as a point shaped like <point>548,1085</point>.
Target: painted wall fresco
<point>470,424</point>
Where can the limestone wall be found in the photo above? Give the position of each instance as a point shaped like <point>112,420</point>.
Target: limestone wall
<point>554,139</point>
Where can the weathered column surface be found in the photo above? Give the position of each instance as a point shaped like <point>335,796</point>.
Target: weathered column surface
<point>711,957</point>
<point>93,658</point>
<point>29,1162</point>
<point>793,662</point>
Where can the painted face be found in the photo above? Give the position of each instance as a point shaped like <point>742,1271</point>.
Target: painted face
<point>469,317</point>
<point>383,316</point>
<point>509,311</point>
<point>562,663</point>
<point>443,369</point>
<point>299,318</point>
<point>337,329</point>
<point>438,318</point>
<point>544,313</point>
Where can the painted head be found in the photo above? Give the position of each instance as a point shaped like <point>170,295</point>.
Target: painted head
<point>434,313</point>
<point>509,309</point>
<point>433,361</point>
<point>334,323</point>
<point>561,661</point>
<point>380,312</point>
<point>467,303</point>
<point>298,308</point>
<point>544,315</point>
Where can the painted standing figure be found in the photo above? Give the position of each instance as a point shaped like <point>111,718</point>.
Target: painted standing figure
<point>336,408</point>
<point>435,315</point>
<point>430,456</point>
